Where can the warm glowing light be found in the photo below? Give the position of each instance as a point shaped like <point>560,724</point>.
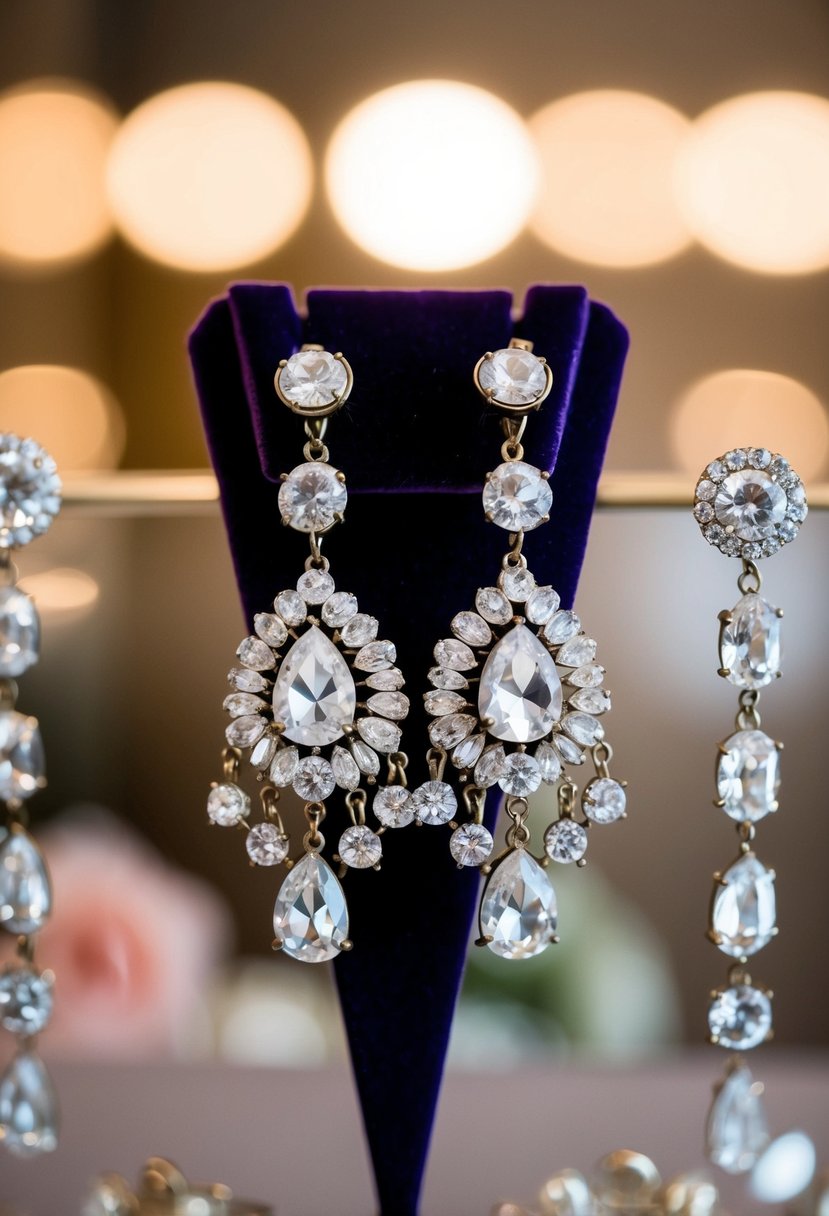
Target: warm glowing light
<point>69,412</point>
<point>209,176</point>
<point>54,140</point>
<point>741,406</point>
<point>432,175</point>
<point>607,165</point>
<point>785,1169</point>
<point>62,589</point>
<point>753,181</point>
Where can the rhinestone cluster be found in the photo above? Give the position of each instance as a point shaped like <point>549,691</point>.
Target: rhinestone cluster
<point>749,503</point>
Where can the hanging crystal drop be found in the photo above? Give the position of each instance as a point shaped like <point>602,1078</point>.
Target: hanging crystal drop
<point>310,917</point>
<point>737,1131</point>
<point>25,889</point>
<point>28,1107</point>
<point>19,632</point>
<point>744,914</point>
<point>520,692</point>
<point>314,694</point>
<point>21,756</point>
<point>750,642</point>
<point>518,908</point>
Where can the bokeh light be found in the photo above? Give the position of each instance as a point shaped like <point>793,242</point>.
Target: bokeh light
<point>69,412</point>
<point>785,1169</point>
<point>209,176</point>
<point>753,181</point>
<point>54,141</point>
<point>607,178</point>
<point>741,405</point>
<point>432,174</point>
<point>61,590</point>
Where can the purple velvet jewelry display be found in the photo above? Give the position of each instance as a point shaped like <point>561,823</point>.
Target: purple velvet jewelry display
<point>415,432</point>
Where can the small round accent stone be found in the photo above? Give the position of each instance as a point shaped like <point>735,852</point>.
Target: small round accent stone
<point>434,802</point>
<point>312,379</point>
<point>392,806</point>
<point>359,847</point>
<point>227,805</point>
<point>736,459</point>
<point>704,512</point>
<point>520,775</point>
<point>604,800</point>
<point>314,779</point>
<point>340,608</point>
<point>740,1018</point>
<point>565,841</point>
<point>315,586</point>
<point>31,491</point>
<point>513,376</point>
<point>291,607</point>
<point>265,844</point>
<point>517,497</point>
<point>517,584</point>
<point>706,490</point>
<point>493,606</point>
<point>312,496</point>
<point>716,470</point>
<point>542,604</point>
<point>25,999</point>
<point>471,844</point>
<point>759,458</point>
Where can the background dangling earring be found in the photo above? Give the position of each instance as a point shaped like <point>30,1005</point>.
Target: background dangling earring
<point>30,492</point>
<point>748,503</point>
<point>517,697</point>
<point>316,696</point>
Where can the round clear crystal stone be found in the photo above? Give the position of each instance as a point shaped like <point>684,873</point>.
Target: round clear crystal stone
<point>360,848</point>
<point>21,756</point>
<point>291,607</point>
<point>744,911</point>
<point>315,586</point>
<point>520,775</point>
<point>493,606</point>
<point>266,845</point>
<point>314,779</point>
<point>706,490</point>
<point>339,608</point>
<point>312,379</point>
<point>227,805</point>
<point>471,844</point>
<point>513,376</point>
<point>518,908</point>
<point>26,999</point>
<point>740,1018</point>
<point>517,584</point>
<point>19,632</point>
<point>751,503</point>
<point>29,491</point>
<point>748,775</point>
<point>517,497</point>
<point>434,802</point>
<point>392,806</point>
<point>565,841</point>
<point>604,800</point>
<point>312,496</point>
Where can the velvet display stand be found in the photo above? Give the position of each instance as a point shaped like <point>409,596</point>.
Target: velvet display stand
<point>414,441</point>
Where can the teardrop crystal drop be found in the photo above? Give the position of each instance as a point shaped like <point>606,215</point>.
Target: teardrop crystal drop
<point>518,908</point>
<point>737,1131</point>
<point>19,632</point>
<point>28,1107</point>
<point>520,691</point>
<point>25,889</point>
<point>21,756</point>
<point>744,913</point>
<point>314,694</point>
<point>310,917</point>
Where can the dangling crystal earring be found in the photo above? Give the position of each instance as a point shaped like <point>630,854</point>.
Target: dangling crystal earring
<point>316,696</point>
<point>29,500</point>
<point>748,503</point>
<point>537,703</point>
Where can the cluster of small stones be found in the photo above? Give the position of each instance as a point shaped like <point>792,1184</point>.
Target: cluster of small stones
<point>749,503</point>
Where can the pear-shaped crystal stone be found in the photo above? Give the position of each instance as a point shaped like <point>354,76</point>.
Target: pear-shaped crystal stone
<point>314,694</point>
<point>28,1107</point>
<point>737,1131</point>
<point>310,917</point>
<point>19,632</point>
<point>744,912</point>
<point>21,756</point>
<point>520,692</point>
<point>25,889</point>
<point>518,908</point>
<point>750,642</point>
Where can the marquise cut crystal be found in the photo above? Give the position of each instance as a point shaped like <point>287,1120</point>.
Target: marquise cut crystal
<point>744,912</point>
<point>737,1130</point>
<point>314,694</point>
<point>518,909</point>
<point>310,916</point>
<point>750,643</point>
<point>520,691</point>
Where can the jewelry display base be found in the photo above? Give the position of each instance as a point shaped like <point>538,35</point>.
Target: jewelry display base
<point>414,443</point>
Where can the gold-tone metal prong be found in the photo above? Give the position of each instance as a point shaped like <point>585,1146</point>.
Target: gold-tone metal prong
<point>283,363</point>
<point>725,672</point>
<point>778,745</point>
<point>283,476</point>
<point>778,612</point>
<point>770,994</point>
<point>346,944</point>
<point>716,938</point>
<point>340,475</point>
<point>488,354</point>
<point>581,863</point>
<point>722,749</point>
<point>726,616</point>
<point>718,802</point>
<point>545,519</point>
<point>713,1039</point>
<point>485,869</point>
<point>545,477</point>
<point>482,941</point>
<point>554,939</point>
<point>277,944</point>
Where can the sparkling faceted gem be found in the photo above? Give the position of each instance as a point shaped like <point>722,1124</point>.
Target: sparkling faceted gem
<point>365,758</point>
<point>238,704</point>
<point>442,701</point>
<point>466,754</point>
<point>388,680</point>
<point>29,491</point>
<point>739,1018</point>
<point>21,756</point>
<point>577,651</point>
<point>748,775</point>
<point>517,497</point>
<point>737,1131</point>
<point>518,909</point>
<point>25,888</point>
<point>312,496</point>
<point>455,655</point>
<point>565,841</point>
<point>315,586</point>
<point>376,656</point>
<point>493,605</point>
<point>263,752</point>
<point>448,731</point>
<point>567,1193</point>
<point>393,807</point>
<point>520,775</point>
<point>434,802</point>
<point>19,632</point>
<point>312,379</point>
<point>291,607</point>
<point>706,490</point>
<point>253,653</point>
<point>541,605</point>
<point>310,917</point>
<point>359,847</point>
<point>283,766</point>
<point>26,999</point>
<point>28,1107</point>
<point>345,770</point>
<point>569,751</point>
<point>703,512</point>
<point>471,844</point>
<point>589,676</point>
<point>445,677</point>
<point>591,700</point>
<point>314,779</point>
<point>245,731</point>
<point>314,694</point>
<point>490,766</point>
<point>266,845</point>
<point>583,728</point>
<point>548,763</point>
<point>736,459</point>
<point>227,804</point>
<point>744,912</point>
<point>759,458</point>
<point>517,583</point>
<point>604,800</point>
<point>513,376</point>
<point>626,1181</point>
<point>519,696</point>
<point>716,470</point>
<point>471,628</point>
<point>383,736</point>
<point>751,503</point>
<point>394,705</point>
<point>750,643</point>
<point>339,608</point>
<point>247,680</point>
<point>361,629</point>
<point>271,629</point>
<point>561,627</point>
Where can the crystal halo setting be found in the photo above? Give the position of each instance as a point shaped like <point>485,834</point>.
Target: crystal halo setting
<point>749,502</point>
